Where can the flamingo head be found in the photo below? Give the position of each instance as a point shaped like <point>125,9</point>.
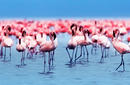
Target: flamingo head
<point>23,33</point>
<point>8,28</point>
<point>73,27</point>
<point>86,31</point>
<point>52,35</point>
<point>80,28</point>
<point>116,33</point>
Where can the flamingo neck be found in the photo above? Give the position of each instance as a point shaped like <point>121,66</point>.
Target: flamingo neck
<point>35,37</point>
<point>19,41</point>
<point>84,36</point>
<point>41,34</point>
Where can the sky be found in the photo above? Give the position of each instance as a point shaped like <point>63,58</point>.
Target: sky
<point>64,8</point>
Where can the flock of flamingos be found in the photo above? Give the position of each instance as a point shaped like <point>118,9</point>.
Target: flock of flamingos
<point>37,37</point>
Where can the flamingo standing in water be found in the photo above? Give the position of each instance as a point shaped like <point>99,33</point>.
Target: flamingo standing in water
<point>121,47</point>
<point>94,41</point>
<point>83,41</point>
<point>30,42</point>
<point>32,46</point>
<point>21,47</point>
<point>104,42</point>
<point>7,43</point>
<point>41,39</point>
<point>72,44</point>
<point>49,46</point>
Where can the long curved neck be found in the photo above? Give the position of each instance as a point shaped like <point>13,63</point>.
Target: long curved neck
<point>84,36</point>
<point>19,41</point>
<point>35,37</point>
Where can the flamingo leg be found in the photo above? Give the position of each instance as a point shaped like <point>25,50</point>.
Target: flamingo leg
<point>1,53</point>
<point>44,64</point>
<point>87,53</point>
<point>44,54</point>
<point>83,52</point>
<point>95,48</point>
<point>27,53</point>
<point>107,52</point>
<point>52,59</point>
<point>49,61</point>
<point>76,54</point>
<point>31,54</point>
<point>80,54</point>
<point>115,53</point>
<point>122,63</point>
<point>92,49</point>
<point>102,51</point>
<point>10,54</point>
<point>69,54</point>
<point>22,59</point>
<point>72,56</point>
<point>5,55</point>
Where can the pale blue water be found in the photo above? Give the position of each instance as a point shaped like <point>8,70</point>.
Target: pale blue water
<point>84,73</point>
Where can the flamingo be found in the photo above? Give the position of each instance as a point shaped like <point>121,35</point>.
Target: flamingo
<point>49,46</point>
<point>121,47</point>
<point>94,42</point>
<point>72,44</point>
<point>21,47</point>
<point>7,43</point>
<point>83,41</point>
<point>104,42</point>
<point>32,44</point>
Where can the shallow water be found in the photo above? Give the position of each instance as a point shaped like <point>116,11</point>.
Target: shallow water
<point>83,73</point>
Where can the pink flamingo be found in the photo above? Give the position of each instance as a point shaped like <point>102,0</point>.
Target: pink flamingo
<point>104,42</point>
<point>21,47</point>
<point>121,47</point>
<point>49,46</point>
<point>31,45</point>
<point>83,41</point>
<point>7,43</point>
<point>72,44</point>
<point>94,42</point>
